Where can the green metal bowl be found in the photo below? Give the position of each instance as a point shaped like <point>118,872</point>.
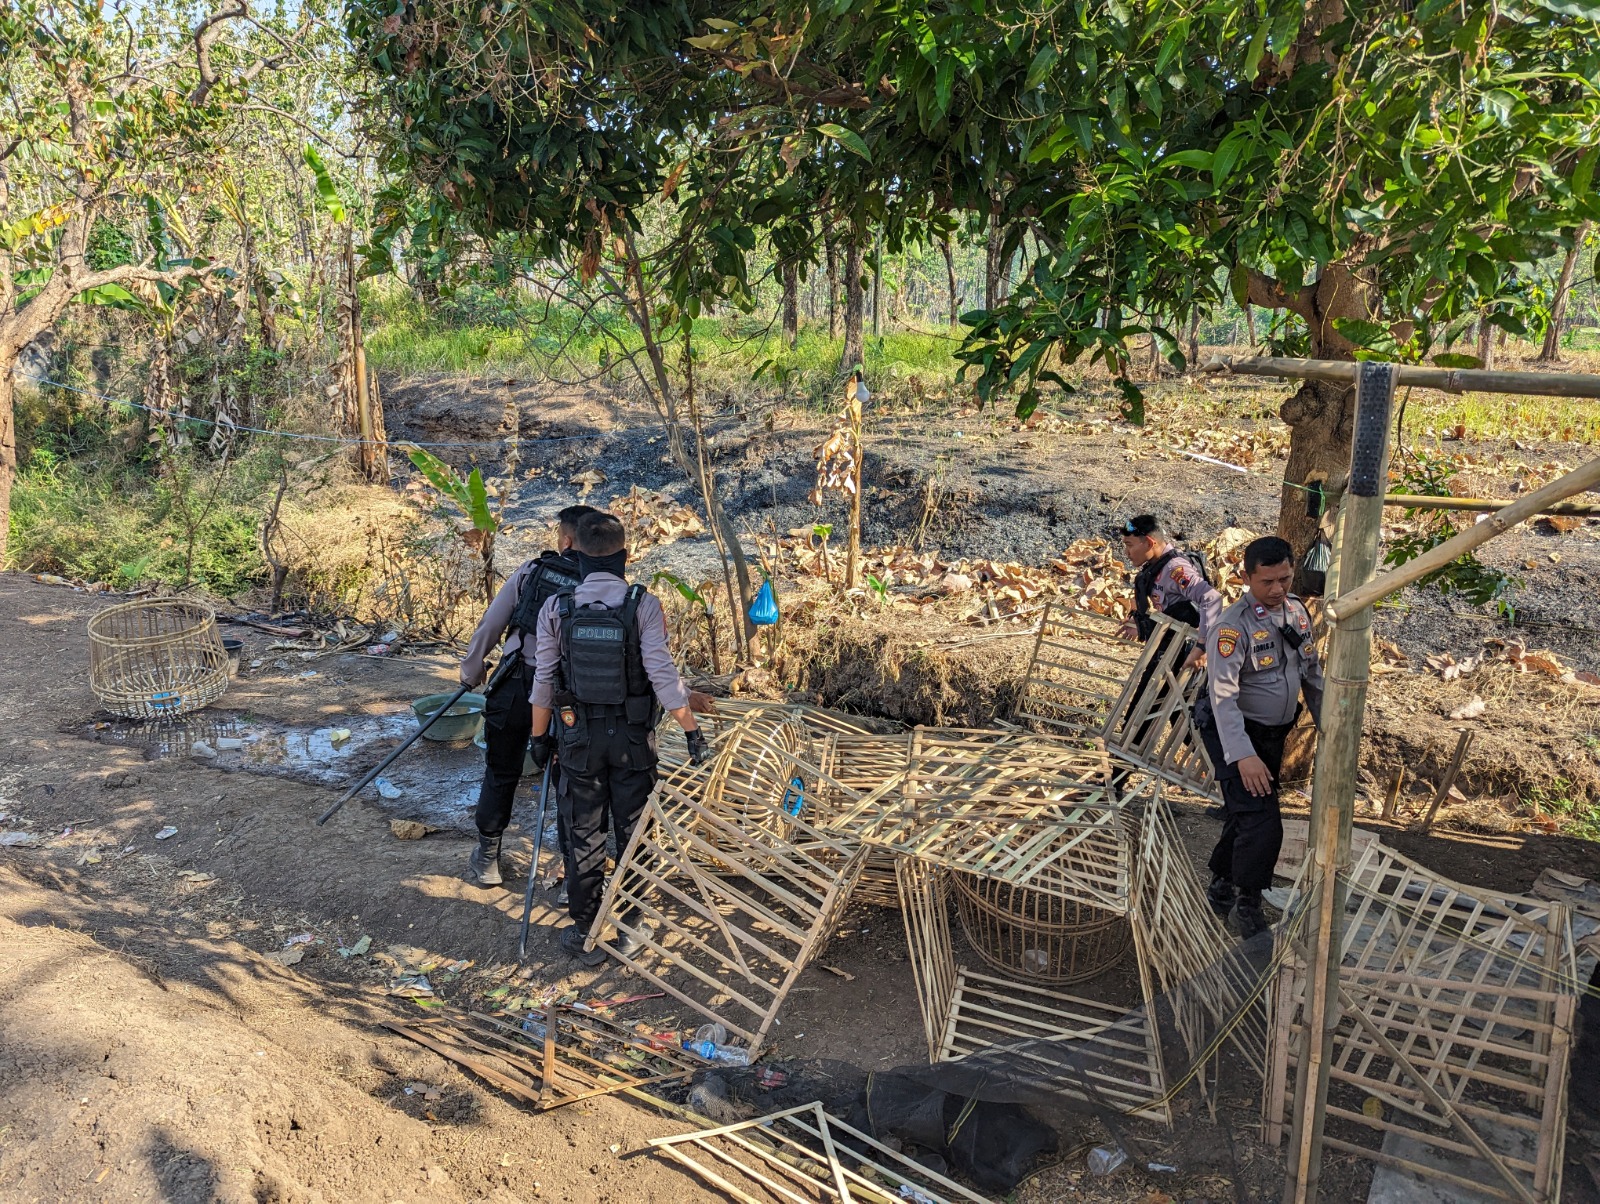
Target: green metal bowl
<point>460,722</point>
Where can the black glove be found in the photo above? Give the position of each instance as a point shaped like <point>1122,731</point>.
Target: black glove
<point>540,749</point>
<point>699,747</point>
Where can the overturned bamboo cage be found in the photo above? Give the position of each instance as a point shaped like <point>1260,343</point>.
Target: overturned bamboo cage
<point>156,660</point>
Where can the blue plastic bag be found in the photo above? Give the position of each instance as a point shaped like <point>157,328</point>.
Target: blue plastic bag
<point>764,610</point>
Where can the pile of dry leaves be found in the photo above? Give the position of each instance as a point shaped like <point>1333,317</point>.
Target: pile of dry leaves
<point>652,519</point>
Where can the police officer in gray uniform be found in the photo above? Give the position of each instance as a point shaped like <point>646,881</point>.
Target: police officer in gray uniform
<point>1171,577</point>
<point>603,669</point>
<point>1260,659</point>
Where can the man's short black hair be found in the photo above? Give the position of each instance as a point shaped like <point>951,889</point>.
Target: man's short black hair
<point>1143,526</point>
<point>1265,552</point>
<point>569,518</point>
<point>600,534</point>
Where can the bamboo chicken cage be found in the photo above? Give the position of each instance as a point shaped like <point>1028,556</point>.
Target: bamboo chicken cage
<point>1036,936</point>
<point>156,660</point>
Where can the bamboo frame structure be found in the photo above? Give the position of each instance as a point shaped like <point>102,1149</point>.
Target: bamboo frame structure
<point>734,907</point>
<point>1086,680</point>
<point>1457,1011</point>
<point>577,1056</point>
<point>156,660</point>
<point>1078,1046</point>
<point>1028,810</point>
<point>803,1155</point>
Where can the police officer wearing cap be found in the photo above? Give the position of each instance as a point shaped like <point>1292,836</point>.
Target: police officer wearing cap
<point>603,667</point>
<point>1260,660</point>
<point>1171,577</point>
<point>511,618</point>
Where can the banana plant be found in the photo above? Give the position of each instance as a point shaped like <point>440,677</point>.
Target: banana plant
<point>471,497</point>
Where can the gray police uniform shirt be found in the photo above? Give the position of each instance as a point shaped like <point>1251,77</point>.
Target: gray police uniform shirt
<point>1179,580</point>
<point>1253,673</point>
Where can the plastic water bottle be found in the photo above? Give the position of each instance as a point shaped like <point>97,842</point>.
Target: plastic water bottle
<point>728,1055</point>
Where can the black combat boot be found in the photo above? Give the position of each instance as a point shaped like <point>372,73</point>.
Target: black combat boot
<point>571,942</point>
<point>484,868</point>
<point>631,944</point>
<point>1221,894</point>
<point>1252,922</point>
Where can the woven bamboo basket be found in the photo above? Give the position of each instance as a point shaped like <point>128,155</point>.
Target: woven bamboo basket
<point>1035,936</point>
<point>155,660</point>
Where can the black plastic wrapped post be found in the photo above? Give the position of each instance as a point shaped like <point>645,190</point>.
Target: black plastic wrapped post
<point>1334,779</point>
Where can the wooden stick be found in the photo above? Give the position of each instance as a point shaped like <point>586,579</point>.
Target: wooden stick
<point>1446,380</point>
<point>1483,504</point>
<point>1392,800</point>
<point>1584,477</point>
<point>1463,742</point>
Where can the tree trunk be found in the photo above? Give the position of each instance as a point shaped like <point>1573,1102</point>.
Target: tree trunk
<point>791,302</point>
<point>993,268</point>
<point>854,303</point>
<point>832,249</point>
<point>1194,341</point>
<point>1321,415</point>
<point>877,286</point>
<point>1550,353</point>
<point>8,452</point>
<point>1485,344</point>
<point>1250,325</point>
<point>950,276</point>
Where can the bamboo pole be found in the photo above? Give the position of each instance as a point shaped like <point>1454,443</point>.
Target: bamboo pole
<point>1580,479</point>
<point>1462,744</point>
<point>1446,380</point>
<point>1334,784</point>
<point>1484,505</point>
<point>852,567</point>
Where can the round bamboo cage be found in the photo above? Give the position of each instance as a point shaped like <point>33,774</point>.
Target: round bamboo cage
<point>1035,936</point>
<point>155,660</point>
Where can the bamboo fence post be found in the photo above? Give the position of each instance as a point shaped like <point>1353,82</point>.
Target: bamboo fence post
<point>1463,742</point>
<point>1338,758</point>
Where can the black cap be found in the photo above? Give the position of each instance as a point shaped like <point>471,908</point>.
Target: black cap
<point>1143,525</point>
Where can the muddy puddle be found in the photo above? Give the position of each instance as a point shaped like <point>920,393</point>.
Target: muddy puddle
<point>433,781</point>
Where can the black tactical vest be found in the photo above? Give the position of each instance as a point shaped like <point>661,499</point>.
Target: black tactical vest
<point>602,664</point>
<point>553,574</point>
<point>1144,585</point>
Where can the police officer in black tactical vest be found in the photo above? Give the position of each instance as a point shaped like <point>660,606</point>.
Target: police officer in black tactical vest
<point>507,722</point>
<point>603,669</point>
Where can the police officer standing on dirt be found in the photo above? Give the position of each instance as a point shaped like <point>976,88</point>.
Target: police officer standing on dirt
<point>603,667</point>
<point>512,617</point>
<point>1174,579</point>
<point>1261,658</point>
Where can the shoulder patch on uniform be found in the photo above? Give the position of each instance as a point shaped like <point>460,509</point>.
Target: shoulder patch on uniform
<point>1181,574</point>
<point>1227,641</point>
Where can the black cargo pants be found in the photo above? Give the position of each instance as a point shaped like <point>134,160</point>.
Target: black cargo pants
<point>1252,825</point>
<point>610,769</point>
<point>507,724</point>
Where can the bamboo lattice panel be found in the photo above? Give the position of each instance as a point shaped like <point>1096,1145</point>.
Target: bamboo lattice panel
<point>569,1055</point>
<point>731,913</point>
<point>1205,984</point>
<point>1457,1017</point>
<point>1087,680</point>
<point>1084,1049</point>
<point>1029,810</point>
<point>806,1156</point>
